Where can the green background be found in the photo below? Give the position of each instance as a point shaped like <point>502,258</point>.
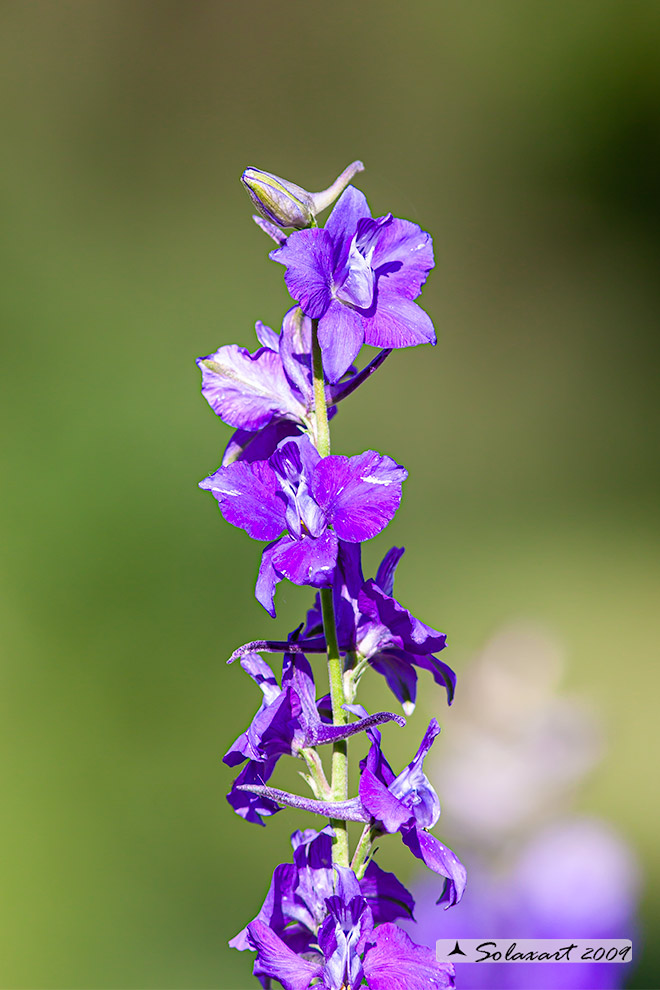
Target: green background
<point>526,137</point>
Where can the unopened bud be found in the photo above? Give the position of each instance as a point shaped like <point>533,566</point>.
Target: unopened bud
<point>287,205</point>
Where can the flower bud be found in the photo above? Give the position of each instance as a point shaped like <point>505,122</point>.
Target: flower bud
<point>287,205</point>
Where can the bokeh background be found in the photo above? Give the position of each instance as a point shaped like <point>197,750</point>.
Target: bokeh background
<point>526,137</point>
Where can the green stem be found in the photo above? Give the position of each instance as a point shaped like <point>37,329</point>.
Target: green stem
<point>362,850</point>
<point>339,779</point>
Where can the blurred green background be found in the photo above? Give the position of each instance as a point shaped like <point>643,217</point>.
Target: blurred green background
<point>526,137</point>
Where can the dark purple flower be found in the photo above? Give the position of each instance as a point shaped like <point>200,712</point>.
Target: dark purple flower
<point>359,278</point>
<point>287,722</point>
<point>268,395</point>
<point>347,946</point>
<point>299,492</point>
<point>373,625</point>
<point>295,905</point>
<point>408,804</point>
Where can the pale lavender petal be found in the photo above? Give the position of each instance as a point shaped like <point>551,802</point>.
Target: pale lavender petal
<point>407,631</point>
<point>413,787</point>
<point>295,345</point>
<point>268,578</point>
<point>307,561</point>
<point>350,208</point>
<point>247,494</point>
<point>394,962</point>
<point>381,804</point>
<point>440,859</point>
<point>404,242</point>
<point>269,228</point>
<point>343,389</point>
<point>277,961</point>
<point>293,462</point>
<point>248,390</point>
<point>349,811</point>
<point>248,446</point>
<point>267,336</point>
<point>341,335</point>
<point>385,895</point>
<point>360,494</point>
<point>261,674</point>
<point>397,322</point>
<point>307,255</point>
<point>387,568</point>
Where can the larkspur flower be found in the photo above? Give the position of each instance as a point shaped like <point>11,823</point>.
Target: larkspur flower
<point>349,947</point>
<point>359,278</point>
<point>268,395</point>
<point>287,723</point>
<point>316,501</point>
<point>374,626</point>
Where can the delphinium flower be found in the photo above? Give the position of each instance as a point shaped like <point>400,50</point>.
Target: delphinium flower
<point>516,752</point>
<point>330,918</point>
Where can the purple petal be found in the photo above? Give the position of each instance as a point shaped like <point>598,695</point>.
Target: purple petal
<point>251,805</point>
<point>440,859</point>
<point>342,390</point>
<point>349,811</point>
<point>360,494</point>
<point>268,578</point>
<point>350,563</point>
<point>381,804</point>
<point>376,762</point>
<point>350,208</point>
<point>393,961</point>
<point>273,911</point>
<point>295,346</point>
<point>413,787</point>
<point>341,335</point>
<point>262,675</point>
<point>307,255</point>
<point>248,390</point>
<point>385,574</point>
<point>277,961</point>
<point>298,675</point>
<point>397,322</point>
<point>266,336</point>
<point>307,561</point>
<point>247,494</point>
<point>400,675</point>
<point>293,462</point>
<point>407,631</point>
<point>386,896</point>
<point>247,446</point>
<point>269,228</point>
<point>442,672</point>
<point>404,242</point>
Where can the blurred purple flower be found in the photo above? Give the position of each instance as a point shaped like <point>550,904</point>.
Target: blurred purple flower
<point>359,278</point>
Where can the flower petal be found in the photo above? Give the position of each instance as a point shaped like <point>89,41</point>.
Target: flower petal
<point>248,446</point>
<point>247,494</point>
<point>268,578</point>
<point>295,347</point>
<point>249,804</point>
<point>392,961</point>
<point>406,243</point>
<point>248,390</point>
<point>350,208</point>
<point>360,494</point>
<point>307,255</point>
<point>400,675</point>
<point>341,335</point>
<point>381,804</point>
<point>308,560</point>
<point>407,632</point>
<point>277,961</point>
<point>385,895</point>
<point>440,859</point>
<point>385,574</point>
<point>267,336</point>
<point>397,322</point>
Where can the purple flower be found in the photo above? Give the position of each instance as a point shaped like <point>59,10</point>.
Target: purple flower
<point>373,625</point>
<point>268,395</point>
<point>337,942</point>
<point>299,492</point>
<point>359,278</point>
<point>408,804</point>
<point>287,722</point>
<point>295,905</point>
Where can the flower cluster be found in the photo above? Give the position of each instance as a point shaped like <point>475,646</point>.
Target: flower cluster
<point>329,918</point>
